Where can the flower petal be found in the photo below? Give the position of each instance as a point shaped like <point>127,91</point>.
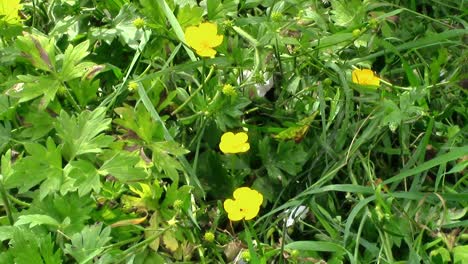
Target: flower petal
<point>250,212</point>
<point>244,147</point>
<point>206,52</point>
<point>191,35</point>
<point>233,210</point>
<point>241,137</point>
<point>365,77</point>
<point>215,41</point>
<point>208,29</point>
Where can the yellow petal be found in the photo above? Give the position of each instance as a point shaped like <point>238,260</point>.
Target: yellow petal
<point>215,41</point>
<point>208,29</point>
<point>206,52</point>
<point>250,212</point>
<point>241,137</point>
<point>247,197</point>
<point>233,210</point>
<point>192,37</point>
<point>244,147</point>
<point>365,77</point>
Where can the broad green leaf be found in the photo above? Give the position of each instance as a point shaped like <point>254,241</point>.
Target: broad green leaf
<point>85,176</point>
<point>6,232</point>
<point>219,9</point>
<point>37,124</point>
<point>128,34</point>
<point>189,15</point>
<point>71,66</point>
<point>28,247</point>
<point>139,122</point>
<point>38,49</point>
<point>123,166</point>
<point>36,219</point>
<point>147,196</point>
<point>43,163</point>
<point>347,13</point>
<point>288,157</point>
<point>83,133</point>
<point>70,210</point>
<point>440,256</point>
<point>165,159</point>
<point>31,86</point>
<point>460,254</point>
<point>152,230</point>
<point>89,243</point>
<point>169,240</point>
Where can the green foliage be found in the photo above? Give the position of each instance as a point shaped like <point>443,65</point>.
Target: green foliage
<point>82,134</point>
<point>110,125</point>
<point>89,243</point>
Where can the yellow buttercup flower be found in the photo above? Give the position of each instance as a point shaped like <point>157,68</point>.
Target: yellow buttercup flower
<point>234,143</point>
<point>365,77</point>
<point>9,11</point>
<point>246,204</point>
<point>203,39</point>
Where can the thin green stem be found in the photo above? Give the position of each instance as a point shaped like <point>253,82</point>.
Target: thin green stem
<point>178,109</point>
<point>18,201</point>
<point>6,202</point>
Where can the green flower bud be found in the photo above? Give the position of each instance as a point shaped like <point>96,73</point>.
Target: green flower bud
<point>139,23</point>
<point>356,32</point>
<point>209,237</point>
<point>246,255</point>
<point>229,90</point>
<point>132,86</point>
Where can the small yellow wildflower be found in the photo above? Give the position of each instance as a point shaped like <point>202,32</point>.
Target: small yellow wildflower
<point>234,143</point>
<point>139,22</point>
<point>229,90</point>
<point>172,221</point>
<point>203,39</point>
<point>9,11</point>
<point>365,77</point>
<point>246,204</point>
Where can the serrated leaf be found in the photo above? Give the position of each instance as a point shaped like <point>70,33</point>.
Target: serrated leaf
<point>138,121</point>
<point>189,15</point>
<point>38,49</point>
<point>83,133</point>
<point>288,157</point>
<point>31,87</point>
<point>347,13</point>
<point>28,247</point>
<point>126,30</point>
<point>85,175</point>
<point>70,210</point>
<point>71,67</point>
<point>148,196</point>
<point>37,124</point>
<point>43,163</point>
<point>36,219</point>
<point>89,243</point>
<point>123,167</point>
